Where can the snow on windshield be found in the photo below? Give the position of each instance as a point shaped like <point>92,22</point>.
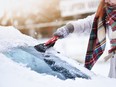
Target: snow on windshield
<point>11,37</point>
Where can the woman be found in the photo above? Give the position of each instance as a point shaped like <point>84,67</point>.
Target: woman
<point>101,23</point>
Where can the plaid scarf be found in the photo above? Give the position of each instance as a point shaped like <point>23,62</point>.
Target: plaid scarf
<point>97,41</point>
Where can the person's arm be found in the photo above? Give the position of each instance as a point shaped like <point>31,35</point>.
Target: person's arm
<point>83,25</point>
<point>79,26</point>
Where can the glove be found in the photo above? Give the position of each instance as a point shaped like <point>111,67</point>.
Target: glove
<point>64,31</point>
<point>61,32</point>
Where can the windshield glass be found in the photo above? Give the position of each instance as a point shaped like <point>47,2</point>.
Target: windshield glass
<point>49,64</point>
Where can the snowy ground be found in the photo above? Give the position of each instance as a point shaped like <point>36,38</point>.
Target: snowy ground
<point>13,74</point>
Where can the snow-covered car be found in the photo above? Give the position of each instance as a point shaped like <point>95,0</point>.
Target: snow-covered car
<point>20,48</point>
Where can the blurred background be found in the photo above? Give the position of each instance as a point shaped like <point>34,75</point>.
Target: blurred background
<point>40,18</point>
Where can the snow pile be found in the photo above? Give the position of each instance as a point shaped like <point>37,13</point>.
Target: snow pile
<point>11,37</point>
<point>14,75</point>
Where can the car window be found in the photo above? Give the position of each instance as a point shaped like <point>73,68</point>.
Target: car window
<point>49,64</point>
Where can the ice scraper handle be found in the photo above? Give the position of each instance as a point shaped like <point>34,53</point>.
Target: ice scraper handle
<point>51,41</point>
<point>44,46</point>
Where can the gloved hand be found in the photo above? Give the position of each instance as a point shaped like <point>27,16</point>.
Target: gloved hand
<point>64,31</point>
<point>61,32</point>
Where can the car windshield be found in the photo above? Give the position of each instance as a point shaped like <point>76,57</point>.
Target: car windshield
<point>49,64</point>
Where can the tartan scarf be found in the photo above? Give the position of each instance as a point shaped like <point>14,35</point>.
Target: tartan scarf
<point>97,40</point>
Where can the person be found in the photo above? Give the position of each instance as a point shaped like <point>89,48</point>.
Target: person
<point>100,24</point>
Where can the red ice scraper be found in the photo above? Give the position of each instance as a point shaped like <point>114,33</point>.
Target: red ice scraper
<point>44,46</point>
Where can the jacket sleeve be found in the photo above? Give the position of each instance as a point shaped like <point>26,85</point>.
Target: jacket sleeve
<point>83,25</point>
